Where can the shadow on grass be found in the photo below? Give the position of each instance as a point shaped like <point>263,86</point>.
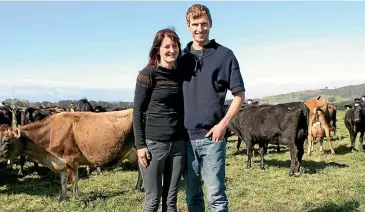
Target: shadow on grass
<point>350,206</point>
<point>311,167</point>
<point>46,183</point>
<point>271,149</point>
<point>97,195</point>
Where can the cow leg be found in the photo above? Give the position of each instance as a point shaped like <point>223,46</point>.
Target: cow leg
<point>262,149</point>
<point>139,180</point>
<point>73,175</point>
<point>88,171</point>
<point>278,147</point>
<point>352,133</point>
<point>98,170</point>
<point>64,178</point>
<point>361,138</point>
<point>321,144</point>
<point>36,167</point>
<point>300,154</point>
<point>249,154</point>
<point>9,165</point>
<point>21,169</point>
<point>328,135</point>
<point>239,141</point>
<point>292,161</point>
<point>310,143</point>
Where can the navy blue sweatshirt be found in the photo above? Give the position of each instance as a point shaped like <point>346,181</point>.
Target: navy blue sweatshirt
<point>158,97</point>
<point>206,81</point>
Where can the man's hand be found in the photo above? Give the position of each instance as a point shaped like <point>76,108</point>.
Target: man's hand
<point>143,156</point>
<point>217,132</point>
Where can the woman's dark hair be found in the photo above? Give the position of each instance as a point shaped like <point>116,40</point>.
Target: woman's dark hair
<point>154,57</point>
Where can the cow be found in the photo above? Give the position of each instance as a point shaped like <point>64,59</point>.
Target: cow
<point>18,116</point>
<point>317,131</point>
<point>239,140</point>
<point>313,105</point>
<point>99,109</point>
<point>67,140</point>
<point>84,105</point>
<point>333,118</point>
<point>27,116</point>
<point>32,115</point>
<point>6,117</point>
<point>355,122</point>
<point>282,123</point>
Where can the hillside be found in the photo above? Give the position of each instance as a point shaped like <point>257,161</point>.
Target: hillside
<point>337,96</point>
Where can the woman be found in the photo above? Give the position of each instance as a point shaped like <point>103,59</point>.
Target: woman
<point>158,123</point>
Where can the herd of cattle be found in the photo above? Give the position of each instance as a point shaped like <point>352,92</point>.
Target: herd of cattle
<point>64,140</point>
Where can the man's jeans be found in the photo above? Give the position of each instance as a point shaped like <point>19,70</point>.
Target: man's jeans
<point>206,159</point>
<point>165,167</point>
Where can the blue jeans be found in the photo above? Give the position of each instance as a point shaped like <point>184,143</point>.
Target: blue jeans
<point>206,160</point>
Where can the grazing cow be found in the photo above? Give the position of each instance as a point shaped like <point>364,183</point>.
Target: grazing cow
<point>317,131</point>
<point>65,141</point>
<point>282,123</point>
<point>333,118</point>
<point>355,123</point>
<point>313,105</point>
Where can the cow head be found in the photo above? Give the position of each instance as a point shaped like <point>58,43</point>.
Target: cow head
<point>358,112</point>
<point>10,143</point>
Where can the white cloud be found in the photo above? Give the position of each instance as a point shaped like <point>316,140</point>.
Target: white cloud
<point>304,64</point>
<point>267,68</point>
<point>97,75</point>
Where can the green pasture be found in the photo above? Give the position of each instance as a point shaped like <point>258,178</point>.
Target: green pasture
<point>327,183</point>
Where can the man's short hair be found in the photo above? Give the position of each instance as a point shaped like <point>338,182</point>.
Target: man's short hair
<point>197,11</point>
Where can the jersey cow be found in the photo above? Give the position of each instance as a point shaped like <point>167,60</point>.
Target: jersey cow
<point>65,141</point>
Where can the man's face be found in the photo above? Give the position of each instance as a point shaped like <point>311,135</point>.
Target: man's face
<point>200,27</point>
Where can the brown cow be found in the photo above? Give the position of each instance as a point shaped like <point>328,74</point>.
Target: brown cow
<point>332,110</point>
<point>317,131</point>
<point>66,140</point>
<point>314,105</point>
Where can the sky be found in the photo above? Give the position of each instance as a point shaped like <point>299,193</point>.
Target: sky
<point>57,50</point>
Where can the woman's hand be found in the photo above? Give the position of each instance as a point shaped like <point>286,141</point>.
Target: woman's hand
<point>143,156</point>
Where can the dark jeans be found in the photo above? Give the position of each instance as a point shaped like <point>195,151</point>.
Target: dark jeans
<point>162,177</point>
<point>206,160</point>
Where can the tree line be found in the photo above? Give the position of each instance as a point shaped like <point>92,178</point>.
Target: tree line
<point>63,103</point>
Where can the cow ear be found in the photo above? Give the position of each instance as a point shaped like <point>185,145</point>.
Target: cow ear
<point>17,133</point>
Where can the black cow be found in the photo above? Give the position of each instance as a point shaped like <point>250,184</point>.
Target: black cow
<point>27,116</point>
<point>40,114</point>
<point>239,140</point>
<point>99,109</point>
<point>18,116</point>
<point>84,105</point>
<point>6,117</point>
<point>286,124</point>
<point>355,123</point>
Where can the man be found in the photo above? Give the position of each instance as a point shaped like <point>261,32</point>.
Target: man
<point>210,70</point>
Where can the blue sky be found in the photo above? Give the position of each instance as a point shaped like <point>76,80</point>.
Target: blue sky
<point>102,45</point>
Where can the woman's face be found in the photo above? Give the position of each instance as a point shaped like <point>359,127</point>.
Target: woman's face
<point>168,51</point>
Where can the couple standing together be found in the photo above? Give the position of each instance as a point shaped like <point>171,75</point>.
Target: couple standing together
<point>179,120</point>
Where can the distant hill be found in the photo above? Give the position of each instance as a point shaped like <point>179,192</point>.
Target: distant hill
<point>336,96</point>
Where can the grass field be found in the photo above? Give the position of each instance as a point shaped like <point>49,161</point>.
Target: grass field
<point>328,183</point>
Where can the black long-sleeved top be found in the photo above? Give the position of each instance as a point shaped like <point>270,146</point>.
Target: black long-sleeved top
<point>158,95</point>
